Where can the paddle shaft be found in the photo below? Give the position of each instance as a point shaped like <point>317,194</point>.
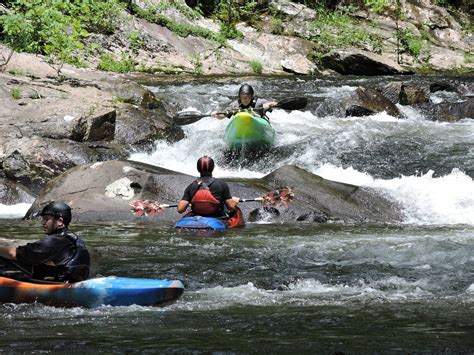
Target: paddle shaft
<point>168,206</point>
<point>15,265</point>
<point>295,103</point>
<point>257,199</point>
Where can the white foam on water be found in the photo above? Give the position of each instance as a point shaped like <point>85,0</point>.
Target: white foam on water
<point>14,211</point>
<point>425,199</point>
<point>307,292</point>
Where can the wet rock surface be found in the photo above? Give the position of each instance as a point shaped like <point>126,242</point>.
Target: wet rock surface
<point>104,190</point>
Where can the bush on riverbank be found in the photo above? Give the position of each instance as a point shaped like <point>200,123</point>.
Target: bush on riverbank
<point>63,30</point>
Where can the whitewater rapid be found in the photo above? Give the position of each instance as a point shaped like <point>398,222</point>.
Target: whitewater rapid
<point>325,145</point>
<point>426,199</point>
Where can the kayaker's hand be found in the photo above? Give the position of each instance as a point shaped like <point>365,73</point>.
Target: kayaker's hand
<point>218,115</point>
<point>267,106</point>
<point>236,199</point>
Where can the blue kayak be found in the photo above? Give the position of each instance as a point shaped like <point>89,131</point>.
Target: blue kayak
<point>198,222</point>
<point>212,223</point>
<point>109,291</point>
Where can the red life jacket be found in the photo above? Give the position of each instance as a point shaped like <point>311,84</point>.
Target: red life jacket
<point>203,202</point>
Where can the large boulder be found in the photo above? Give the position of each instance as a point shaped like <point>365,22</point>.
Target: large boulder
<point>363,101</point>
<point>368,101</point>
<point>297,17</point>
<point>104,190</point>
<point>50,123</point>
<point>13,193</point>
<point>34,161</point>
<point>357,62</point>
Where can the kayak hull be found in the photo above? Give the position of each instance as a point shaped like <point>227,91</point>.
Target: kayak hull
<point>198,222</point>
<point>109,291</point>
<point>211,223</point>
<point>249,131</point>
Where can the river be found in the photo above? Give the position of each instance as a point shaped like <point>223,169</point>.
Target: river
<point>296,287</point>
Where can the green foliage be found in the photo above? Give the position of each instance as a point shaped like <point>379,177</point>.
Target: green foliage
<point>337,28</point>
<point>136,41</point>
<point>229,13</point>
<point>196,60</point>
<point>57,28</point>
<point>276,26</point>
<point>410,43</point>
<point>149,13</point>
<point>16,93</point>
<point>185,10</point>
<point>376,5</point>
<point>468,57</point>
<point>152,14</point>
<point>109,63</point>
<point>186,30</point>
<point>160,68</point>
<point>256,66</point>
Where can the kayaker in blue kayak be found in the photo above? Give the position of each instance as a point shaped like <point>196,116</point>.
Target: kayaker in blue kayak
<point>60,255</point>
<point>207,195</point>
<point>247,101</point>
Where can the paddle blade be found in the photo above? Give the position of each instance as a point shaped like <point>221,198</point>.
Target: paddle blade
<point>293,103</point>
<point>187,117</point>
<point>280,197</point>
<point>145,208</point>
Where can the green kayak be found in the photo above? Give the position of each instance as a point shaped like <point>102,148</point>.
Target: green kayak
<point>247,130</point>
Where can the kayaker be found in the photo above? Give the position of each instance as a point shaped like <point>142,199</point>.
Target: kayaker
<point>207,195</point>
<point>60,255</point>
<point>247,100</point>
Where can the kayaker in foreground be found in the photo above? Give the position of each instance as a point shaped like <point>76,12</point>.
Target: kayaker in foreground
<point>247,101</point>
<point>60,255</point>
<point>208,195</point>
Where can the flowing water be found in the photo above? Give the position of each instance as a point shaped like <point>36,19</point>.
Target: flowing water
<point>292,287</point>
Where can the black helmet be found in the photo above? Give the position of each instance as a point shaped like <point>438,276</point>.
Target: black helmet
<point>58,209</point>
<point>205,165</point>
<point>246,89</point>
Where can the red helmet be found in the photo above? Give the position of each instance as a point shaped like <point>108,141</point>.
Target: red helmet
<point>205,165</point>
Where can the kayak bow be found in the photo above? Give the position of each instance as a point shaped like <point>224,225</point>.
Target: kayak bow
<point>249,130</point>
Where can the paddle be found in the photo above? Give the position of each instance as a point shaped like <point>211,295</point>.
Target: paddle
<point>188,117</point>
<point>15,265</point>
<point>279,197</point>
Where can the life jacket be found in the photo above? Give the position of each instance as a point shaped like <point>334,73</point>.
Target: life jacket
<point>203,202</point>
<point>74,268</point>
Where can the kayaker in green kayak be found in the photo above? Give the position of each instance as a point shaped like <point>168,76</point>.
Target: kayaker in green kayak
<point>59,256</point>
<point>247,101</point>
<point>207,195</point>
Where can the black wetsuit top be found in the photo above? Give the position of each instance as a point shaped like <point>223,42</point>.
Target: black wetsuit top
<point>65,250</point>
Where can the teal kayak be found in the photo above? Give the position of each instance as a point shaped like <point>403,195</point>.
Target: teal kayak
<point>247,130</point>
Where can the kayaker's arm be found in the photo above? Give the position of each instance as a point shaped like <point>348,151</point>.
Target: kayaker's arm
<point>8,252</point>
<point>231,203</point>
<point>182,205</point>
<point>268,105</point>
<point>222,115</point>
